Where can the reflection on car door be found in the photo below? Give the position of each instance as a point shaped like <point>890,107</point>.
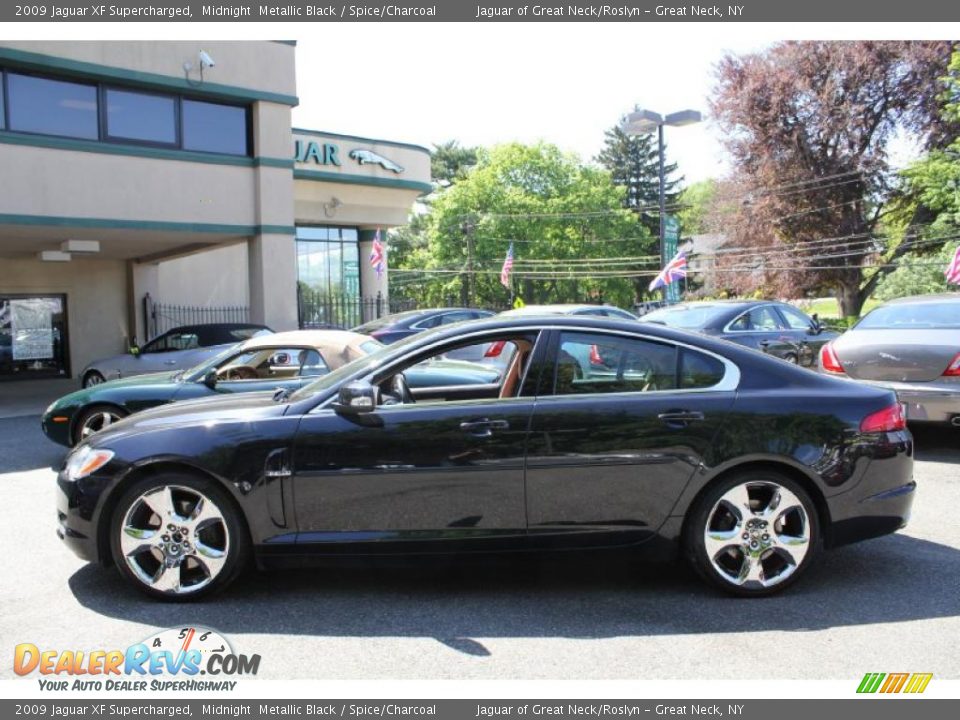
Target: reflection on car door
<point>614,442</point>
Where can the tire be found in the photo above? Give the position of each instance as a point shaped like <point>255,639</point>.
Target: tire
<point>731,562</point>
<point>206,549</point>
<point>94,419</point>
<point>93,378</point>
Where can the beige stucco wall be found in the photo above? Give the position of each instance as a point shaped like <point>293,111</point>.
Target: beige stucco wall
<point>264,66</point>
<point>212,279</point>
<point>96,301</point>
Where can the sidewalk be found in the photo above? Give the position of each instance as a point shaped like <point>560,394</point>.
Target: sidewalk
<point>31,397</point>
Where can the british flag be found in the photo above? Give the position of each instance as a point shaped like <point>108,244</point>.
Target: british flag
<point>953,269</point>
<point>673,271</point>
<point>378,256</point>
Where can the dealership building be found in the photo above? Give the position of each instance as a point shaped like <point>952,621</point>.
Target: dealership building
<point>138,175</point>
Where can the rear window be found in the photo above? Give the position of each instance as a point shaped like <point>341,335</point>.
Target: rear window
<point>691,317</point>
<point>913,316</point>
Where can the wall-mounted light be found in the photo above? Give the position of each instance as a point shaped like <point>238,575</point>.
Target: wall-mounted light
<point>80,246</point>
<point>330,208</point>
<point>53,256</point>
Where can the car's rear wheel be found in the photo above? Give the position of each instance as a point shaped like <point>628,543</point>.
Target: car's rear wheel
<point>94,419</point>
<point>93,378</point>
<point>178,537</point>
<point>753,533</point>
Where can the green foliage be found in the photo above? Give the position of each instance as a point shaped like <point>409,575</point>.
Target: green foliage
<point>552,207</point>
<point>450,161</point>
<point>696,201</point>
<point>918,275</point>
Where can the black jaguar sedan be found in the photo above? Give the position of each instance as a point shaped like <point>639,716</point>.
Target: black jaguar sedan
<point>667,442</point>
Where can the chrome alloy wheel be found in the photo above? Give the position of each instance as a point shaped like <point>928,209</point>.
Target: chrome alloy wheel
<point>97,421</point>
<point>174,539</point>
<point>757,534</point>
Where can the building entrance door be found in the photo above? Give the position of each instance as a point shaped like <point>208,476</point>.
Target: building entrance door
<point>33,337</point>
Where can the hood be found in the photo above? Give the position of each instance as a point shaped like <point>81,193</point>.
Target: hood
<point>901,355</point>
<point>90,394</point>
<point>243,407</point>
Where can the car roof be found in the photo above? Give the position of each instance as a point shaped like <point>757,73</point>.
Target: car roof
<point>554,309</point>
<point>938,297</point>
<point>223,326</point>
<point>308,338</point>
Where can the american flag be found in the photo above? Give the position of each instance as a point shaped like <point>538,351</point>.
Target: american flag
<point>674,270</point>
<point>378,257</point>
<point>507,267</point>
<point>953,269</point>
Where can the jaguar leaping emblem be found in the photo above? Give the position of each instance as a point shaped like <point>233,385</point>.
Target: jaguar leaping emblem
<point>369,156</point>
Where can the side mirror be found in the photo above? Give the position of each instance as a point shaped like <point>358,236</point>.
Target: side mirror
<point>356,398</point>
<point>817,327</point>
<point>210,378</point>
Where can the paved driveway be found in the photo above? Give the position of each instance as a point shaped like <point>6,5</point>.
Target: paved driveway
<point>888,604</point>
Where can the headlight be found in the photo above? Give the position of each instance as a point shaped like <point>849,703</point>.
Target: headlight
<point>85,460</point>
<point>50,407</point>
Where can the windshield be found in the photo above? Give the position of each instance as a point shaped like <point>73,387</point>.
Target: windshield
<point>199,370</point>
<point>688,317</point>
<point>913,316</point>
<point>358,366</point>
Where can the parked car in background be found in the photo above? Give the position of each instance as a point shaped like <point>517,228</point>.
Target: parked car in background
<point>746,466</point>
<point>177,349</point>
<point>271,361</point>
<point>776,328</point>
<point>910,345</point>
<point>565,309</point>
<point>391,328</point>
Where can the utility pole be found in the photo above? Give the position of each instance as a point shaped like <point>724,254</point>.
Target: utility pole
<point>467,286</point>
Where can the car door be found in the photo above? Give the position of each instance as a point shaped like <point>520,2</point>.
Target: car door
<point>614,440</point>
<point>429,474</point>
<point>760,328</point>
<point>166,352</point>
<point>803,333</point>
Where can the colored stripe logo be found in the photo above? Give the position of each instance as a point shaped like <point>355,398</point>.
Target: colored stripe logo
<point>913,683</point>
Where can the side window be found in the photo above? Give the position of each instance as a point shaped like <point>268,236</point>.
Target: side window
<point>456,317</point>
<point>182,341</point>
<point>311,364</point>
<point>588,363</point>
<point>757,320</point>
<point>698,370</point>
<point>796,320</point>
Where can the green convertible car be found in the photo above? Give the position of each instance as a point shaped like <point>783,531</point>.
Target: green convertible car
<point>286,360</point>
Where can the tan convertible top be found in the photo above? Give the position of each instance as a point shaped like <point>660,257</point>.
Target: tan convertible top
<point>337,347</point>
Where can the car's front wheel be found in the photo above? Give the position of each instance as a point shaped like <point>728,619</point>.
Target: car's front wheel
<point>178,537</point>
<point>753,533</point>
<point>93,378</point>
<point>94,419</point>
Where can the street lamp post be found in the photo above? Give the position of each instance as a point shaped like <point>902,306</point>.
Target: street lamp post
<point>644,122</point>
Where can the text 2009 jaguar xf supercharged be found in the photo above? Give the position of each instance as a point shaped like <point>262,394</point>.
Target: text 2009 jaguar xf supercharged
<point>661,439</point>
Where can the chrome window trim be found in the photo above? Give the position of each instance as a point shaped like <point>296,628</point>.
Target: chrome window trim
<point>728,329</point>
<point>730,381</point>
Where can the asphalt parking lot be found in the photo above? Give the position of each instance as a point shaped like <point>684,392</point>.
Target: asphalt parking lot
<point>891,603</point>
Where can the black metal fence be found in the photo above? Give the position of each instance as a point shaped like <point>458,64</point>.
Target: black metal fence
<point>322,310</point>
<point>160,317</point>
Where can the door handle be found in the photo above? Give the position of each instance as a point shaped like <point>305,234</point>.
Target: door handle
<point>680,418</point>
<point>484,427</point>
<point>169,362</point>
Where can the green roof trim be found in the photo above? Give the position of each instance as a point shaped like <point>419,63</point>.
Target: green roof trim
<point>321,176</point>
<point>14,59</point>
<point>156,225</point>
<point>8,137</point>
<point>358,138</point>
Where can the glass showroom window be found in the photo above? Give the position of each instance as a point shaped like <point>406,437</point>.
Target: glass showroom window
<point>52,107</point>
<point>328,260</point>
<point>3,109</point>
<point>141,117</point>
<point>210,127</point>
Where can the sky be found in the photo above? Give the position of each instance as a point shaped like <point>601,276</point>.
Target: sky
<point>487,84</point>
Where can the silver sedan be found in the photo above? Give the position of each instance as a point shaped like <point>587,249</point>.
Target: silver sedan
<point>910,345</point>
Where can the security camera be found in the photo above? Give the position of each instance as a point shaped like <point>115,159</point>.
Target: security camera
<point>206,60</point>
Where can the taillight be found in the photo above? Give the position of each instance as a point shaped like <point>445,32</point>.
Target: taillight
<point>494,349</point>
<point>829,360</point>
<point>595,358</point>
<point>953,369</point>
<point>886,420</point>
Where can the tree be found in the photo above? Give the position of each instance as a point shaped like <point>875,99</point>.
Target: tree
<point>634,163</point>
<point>807,125</point>
<point>450,161</point>
<point>695,201</point>
<point>560,215</point>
